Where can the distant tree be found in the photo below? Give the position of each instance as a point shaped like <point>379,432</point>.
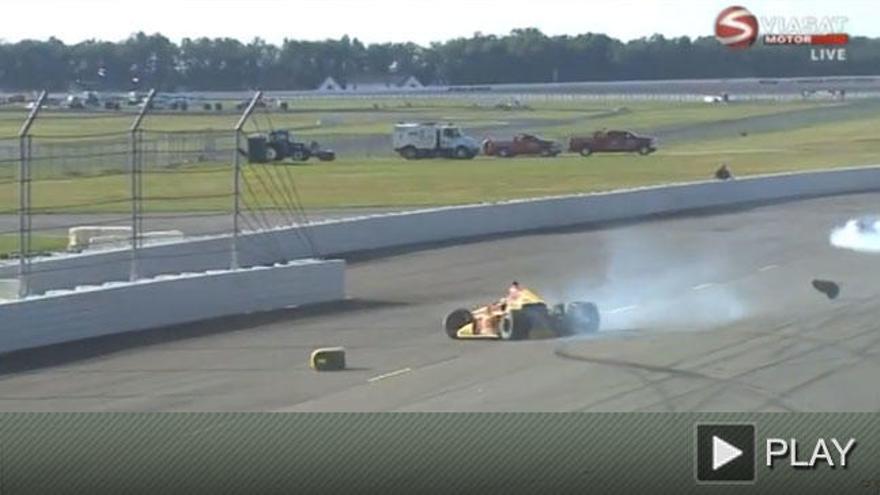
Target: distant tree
<point>523,56</point>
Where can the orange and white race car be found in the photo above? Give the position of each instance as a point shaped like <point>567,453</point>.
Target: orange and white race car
<point>513,318</point>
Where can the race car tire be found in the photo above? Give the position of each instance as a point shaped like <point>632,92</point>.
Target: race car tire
<point>557,311</point>
<point>515,326</point>
<point>580,318</point>
<point>328,359</point>
<point>455,320</point>
<point>560,325</point>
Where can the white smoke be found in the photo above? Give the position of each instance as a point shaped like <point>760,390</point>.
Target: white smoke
<point>859,234</point>
<point>649,287</point>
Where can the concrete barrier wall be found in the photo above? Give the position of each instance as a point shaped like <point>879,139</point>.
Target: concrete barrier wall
<point>118,308</point>
<point>386,231</point>
<point>334,238</point>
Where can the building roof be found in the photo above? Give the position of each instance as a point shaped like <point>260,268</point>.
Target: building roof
<point>390,81</point>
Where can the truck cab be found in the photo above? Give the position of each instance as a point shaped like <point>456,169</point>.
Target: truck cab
<point>614,141</point>
<point>522,144</point>
<point>414,141</point>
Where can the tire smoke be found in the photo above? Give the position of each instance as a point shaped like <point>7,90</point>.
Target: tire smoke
<point>858,234</point>
<point>647,286</point>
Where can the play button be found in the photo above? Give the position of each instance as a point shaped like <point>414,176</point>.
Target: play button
<point>725,453</point>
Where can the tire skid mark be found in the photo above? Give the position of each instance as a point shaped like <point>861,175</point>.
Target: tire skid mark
<point>774,397</point>
<point>675,371</point>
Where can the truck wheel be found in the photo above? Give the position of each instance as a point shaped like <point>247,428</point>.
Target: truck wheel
<point>547,153</point>
<point>456,320</point>
<point>505,153</point>
<point>463,153</point>
<point>644,150</point>
<point>515,326</point>
<point>271,154</point>
<point>586,151</point>
<point>580,318</point>
<point>299,156</point>
<point>409,153</point>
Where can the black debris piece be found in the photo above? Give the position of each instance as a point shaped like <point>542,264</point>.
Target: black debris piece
<point>830,289</point>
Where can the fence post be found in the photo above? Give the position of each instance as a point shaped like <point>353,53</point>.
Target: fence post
<point>236,179</point>
<point>135,167</point>
<point>24,198</point>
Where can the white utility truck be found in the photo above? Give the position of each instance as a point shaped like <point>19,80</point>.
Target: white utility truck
<point>430,140</point>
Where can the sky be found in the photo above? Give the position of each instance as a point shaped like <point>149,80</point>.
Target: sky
<point>376,21</point>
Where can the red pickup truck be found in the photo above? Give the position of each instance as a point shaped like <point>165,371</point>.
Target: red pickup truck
<point>613,142</point>
<point>522,144</point>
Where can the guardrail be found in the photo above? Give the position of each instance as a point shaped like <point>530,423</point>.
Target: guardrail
<point>342,237</point>
<point>131,306</point>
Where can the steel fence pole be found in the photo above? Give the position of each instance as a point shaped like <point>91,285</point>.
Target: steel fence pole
<point>24,198</point>
<point>236,178</point>
<point>236,193</point>
<point>135,165</point>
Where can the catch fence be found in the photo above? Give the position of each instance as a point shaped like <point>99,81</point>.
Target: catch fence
<point>135,185</point>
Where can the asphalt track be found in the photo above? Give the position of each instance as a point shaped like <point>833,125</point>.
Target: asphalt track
<point>711,312</point>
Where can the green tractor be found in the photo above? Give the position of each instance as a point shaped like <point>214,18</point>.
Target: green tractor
<point>279,145</point>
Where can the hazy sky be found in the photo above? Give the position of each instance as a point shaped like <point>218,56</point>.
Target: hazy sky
<point>421,21</point>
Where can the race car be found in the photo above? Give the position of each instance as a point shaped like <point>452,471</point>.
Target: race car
<point>514,317</point>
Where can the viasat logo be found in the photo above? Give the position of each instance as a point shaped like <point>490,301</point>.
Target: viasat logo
<point>736,27</point>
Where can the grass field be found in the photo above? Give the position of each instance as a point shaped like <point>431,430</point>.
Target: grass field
<point>359,181</point>
<point>39,243</point>
<point>695,139</point>
<point>393,182</point>
<point>360,118</point>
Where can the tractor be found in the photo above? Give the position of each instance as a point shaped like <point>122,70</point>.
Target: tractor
<point>279,145</point>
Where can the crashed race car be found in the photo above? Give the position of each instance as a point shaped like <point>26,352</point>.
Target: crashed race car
<point>520,313</point>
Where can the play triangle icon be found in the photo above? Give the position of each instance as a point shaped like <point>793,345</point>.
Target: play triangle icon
<point>723,453</point>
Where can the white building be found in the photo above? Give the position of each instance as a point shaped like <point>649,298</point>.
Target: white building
<point>371,84</point>
<point>331,86</point>
<point>411,83</point>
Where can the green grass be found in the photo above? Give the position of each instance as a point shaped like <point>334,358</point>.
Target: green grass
<point>357,181</point>
<point>382,182</point>
<point>847,136</point>
<point>345,117</point>
<point>39,243</point>
<point>649,117</point>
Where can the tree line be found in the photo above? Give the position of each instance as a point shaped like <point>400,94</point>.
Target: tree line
<point>523,56</point>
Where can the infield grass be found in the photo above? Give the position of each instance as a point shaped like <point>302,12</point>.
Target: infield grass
<point>360,181</point>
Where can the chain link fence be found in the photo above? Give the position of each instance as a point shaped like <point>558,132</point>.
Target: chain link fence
<point>131,188</point>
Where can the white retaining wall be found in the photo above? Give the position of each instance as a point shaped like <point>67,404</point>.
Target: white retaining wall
<point>340,237</point>
<point>118,308</point>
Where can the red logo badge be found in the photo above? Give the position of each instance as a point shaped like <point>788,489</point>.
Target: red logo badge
<point>736,27</point>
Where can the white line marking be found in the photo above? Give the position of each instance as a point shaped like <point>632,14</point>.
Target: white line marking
<point>768,268</point>
<point>622,310</point>
<point>704,286</point>
<point>389,375</point>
